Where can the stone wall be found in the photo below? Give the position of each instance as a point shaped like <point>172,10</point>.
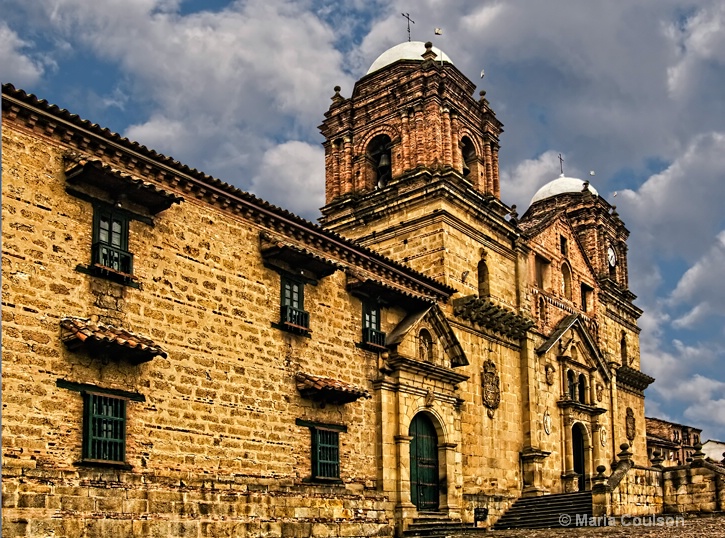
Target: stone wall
<point>214,449</point>
<point>694,489</point>
<point>639,493</point>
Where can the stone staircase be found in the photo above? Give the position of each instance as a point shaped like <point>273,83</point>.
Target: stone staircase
<point>437,525</point>
<point>547,511</point>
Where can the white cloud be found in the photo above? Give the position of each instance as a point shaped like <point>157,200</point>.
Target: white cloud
<point>16,66</point>
<point>700,43</point>
<point>520,182</point>
<point>679,210</point>
<point>701,286</point>
<point>298,186</point>
<point>223,87</point>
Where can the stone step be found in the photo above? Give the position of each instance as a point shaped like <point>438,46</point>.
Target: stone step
<point>440,531</point>
<point>545,511</point>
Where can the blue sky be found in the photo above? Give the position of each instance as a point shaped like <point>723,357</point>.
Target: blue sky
<point>631,90</point>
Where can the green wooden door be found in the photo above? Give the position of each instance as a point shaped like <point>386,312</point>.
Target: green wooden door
<point>423,463</point>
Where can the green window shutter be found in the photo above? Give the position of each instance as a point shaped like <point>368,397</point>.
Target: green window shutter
<point>325,453</point>
<point>104,428</point>
<point>371,316</point>
<point>110,240</point>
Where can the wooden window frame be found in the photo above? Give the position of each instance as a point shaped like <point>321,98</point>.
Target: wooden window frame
<point>109,260</point>
<point>372,337</point>
<point>293,316</point>
<point>93,440</point>
<point>332,431</point>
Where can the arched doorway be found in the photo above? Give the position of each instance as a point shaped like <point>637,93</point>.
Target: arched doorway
<point>577,443</point>
<point>424,484</point>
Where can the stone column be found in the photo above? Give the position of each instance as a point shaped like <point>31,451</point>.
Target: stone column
<point>456,142</point>
<point>346,184</point>
<point>405,141</point>
<point>614,408</point>
<point>596,445</point>
<point>446,142</point>
<point>496,185</point>
<point>448,473</point>
<point>569,475</point>
<point>405,510</point>
<point>420,158</point>
<point>489,168</point>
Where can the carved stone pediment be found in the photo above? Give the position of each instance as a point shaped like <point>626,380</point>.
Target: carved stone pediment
<point>575,345</point>
<point>427,336</point>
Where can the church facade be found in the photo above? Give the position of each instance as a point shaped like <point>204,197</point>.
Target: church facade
<point>181,358</point>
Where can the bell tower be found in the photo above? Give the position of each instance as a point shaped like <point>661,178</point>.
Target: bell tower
<point>410,142</point>
<point>408,115</point>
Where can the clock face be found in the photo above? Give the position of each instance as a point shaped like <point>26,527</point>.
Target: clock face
<point>611,257</point>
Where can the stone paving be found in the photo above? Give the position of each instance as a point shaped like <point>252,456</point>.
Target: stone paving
<point>690,526</point>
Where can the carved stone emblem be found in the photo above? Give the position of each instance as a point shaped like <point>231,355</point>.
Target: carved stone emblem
<point>603,436</point>
<point>547,422</point>
<point>600,392</point>
<point>550,371</point>
<point>491,388</point>
<point>630,424</point>
<point>429,398</point>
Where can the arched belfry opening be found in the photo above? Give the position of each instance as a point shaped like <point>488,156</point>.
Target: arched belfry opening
<point>379,161</point>
<point>472,165</point>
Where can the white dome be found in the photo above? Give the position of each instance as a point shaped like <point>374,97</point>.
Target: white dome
<point>561,185</point>
<point>410,50</point>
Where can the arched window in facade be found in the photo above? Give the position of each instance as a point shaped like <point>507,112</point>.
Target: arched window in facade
<point>425,346</point>
<point>483,282</point>
<point>582,389</point>
<point>572,385</point>
<point>380,160</point>
<point>566,281</point>
<point>623,349</point>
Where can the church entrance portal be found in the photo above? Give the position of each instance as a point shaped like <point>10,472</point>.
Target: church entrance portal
<point>424,486</point>
<point>577,438</point>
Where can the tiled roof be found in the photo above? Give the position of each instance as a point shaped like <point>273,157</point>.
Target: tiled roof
<point>328,389</point>
<point>82,332</point>
<point>95,171</point>
<point>365,254</point>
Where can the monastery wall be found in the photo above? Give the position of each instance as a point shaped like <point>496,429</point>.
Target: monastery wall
<point>215,438</point>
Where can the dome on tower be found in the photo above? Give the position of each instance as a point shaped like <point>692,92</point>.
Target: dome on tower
<point>410,50</point>
<point>561,185</point>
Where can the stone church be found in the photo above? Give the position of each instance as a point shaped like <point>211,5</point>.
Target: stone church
<point>182,358</point>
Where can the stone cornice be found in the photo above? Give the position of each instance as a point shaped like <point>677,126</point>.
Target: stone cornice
<point>496,318</point>
<point>633,379</point>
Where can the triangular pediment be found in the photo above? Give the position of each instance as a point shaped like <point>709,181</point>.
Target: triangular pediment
<point>426,335</point>
<point>572,339</point>
<point>547,228</point>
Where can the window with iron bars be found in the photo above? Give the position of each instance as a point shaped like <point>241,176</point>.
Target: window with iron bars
<point>104,428</point>
<point>325,454</point>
